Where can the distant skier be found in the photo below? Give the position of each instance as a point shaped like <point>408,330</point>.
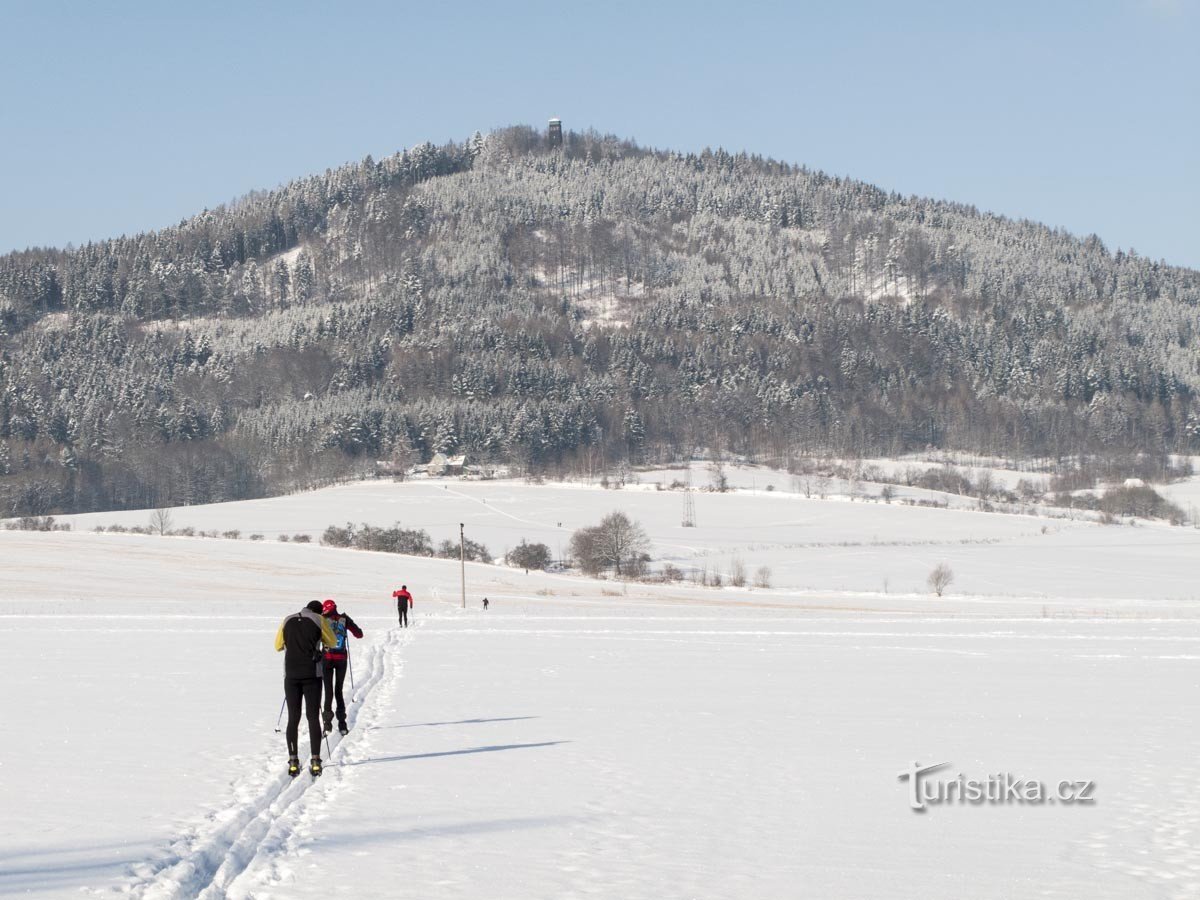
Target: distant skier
<point>404,602</point>
<point>336,657</point>
<point>485,603</point>
<point>303,635</point>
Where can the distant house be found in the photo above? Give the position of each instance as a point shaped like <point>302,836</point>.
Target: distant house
<point>441,465</point>
<point>437,465</point>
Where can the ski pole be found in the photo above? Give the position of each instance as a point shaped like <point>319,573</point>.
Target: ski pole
<point>350,666</point>
<point>280,718</point>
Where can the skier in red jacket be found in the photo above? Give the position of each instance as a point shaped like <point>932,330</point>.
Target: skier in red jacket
<point>336,659</point>
<point>404,602</point>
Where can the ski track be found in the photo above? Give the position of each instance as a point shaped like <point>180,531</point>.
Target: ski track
<point>207,862</point>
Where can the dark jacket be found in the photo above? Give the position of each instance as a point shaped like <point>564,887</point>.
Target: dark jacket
<point>340,623</point>
<point>302,636</point>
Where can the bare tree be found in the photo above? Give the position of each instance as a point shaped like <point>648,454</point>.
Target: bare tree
<point>737,572</point>
<point>985,485</point>
<point>161,520</point>
<point>762,577</point>
<point>940,578</point>
<point>617,541</point>
<point>716,476</point>
<point>621,540</point>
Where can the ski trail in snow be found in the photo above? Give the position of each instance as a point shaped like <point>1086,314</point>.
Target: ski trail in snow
<point>205,862</point>
<point>269,865</point>
<point>496,509</point>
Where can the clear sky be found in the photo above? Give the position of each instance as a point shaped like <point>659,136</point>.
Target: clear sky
<point>120,117</point>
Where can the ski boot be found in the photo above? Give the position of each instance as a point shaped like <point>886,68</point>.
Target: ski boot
<point>328,723</point>
<point>343,729</point>
<point>314,767</point>
<point>293,766</point>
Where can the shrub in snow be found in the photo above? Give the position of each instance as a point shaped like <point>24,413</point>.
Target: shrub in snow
<point>671,573</point>
<point>940,578</point>
<point>528,556</point>
<point>1140,501</point>
<point>471,550</point>
<point>338,537</point>
<point>762,577</point>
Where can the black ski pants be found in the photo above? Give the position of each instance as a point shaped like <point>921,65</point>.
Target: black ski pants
<point>307,690</point>
<point>335,677</point>
<point>403,610</point>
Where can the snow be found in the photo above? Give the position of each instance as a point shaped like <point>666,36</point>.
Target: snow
<point>592,738</point>
<point>609,301</point>
<point>811,545</point>
<point>288,257</point>
<point>1185,494</point>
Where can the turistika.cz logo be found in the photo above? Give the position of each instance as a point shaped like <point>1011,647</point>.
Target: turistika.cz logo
<point>1000,789</point>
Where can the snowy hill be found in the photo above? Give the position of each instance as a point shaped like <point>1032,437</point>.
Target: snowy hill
<point>560,309</point>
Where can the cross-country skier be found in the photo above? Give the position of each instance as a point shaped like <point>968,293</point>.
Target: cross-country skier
<point>485,603</point>
<point>304,635</point>
<point>404,602</point>
<point>335,664</point>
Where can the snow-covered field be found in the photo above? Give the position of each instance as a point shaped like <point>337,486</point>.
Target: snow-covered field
<point>815,545</point>
<point>588,738</point>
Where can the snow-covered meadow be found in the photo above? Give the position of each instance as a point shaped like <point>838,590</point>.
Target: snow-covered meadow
<point>589,738</point>
<point>837,544</point>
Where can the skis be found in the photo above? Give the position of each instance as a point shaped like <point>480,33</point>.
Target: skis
<point>314,767</point>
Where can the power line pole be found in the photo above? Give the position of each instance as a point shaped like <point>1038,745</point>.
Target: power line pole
<point>689,502</point>
<point>462,561</point>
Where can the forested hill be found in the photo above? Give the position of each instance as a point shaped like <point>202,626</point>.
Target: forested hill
<point>560,308</point>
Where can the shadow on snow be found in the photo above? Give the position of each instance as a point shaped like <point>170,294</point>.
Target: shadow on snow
<point>489,749</point>
<point>459,722</point>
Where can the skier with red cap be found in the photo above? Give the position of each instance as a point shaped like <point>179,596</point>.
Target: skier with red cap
<point>337,656</point>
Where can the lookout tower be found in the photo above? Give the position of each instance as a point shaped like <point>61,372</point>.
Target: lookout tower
<point>554,135</point>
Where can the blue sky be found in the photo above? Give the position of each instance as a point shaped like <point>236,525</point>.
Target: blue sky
<point>126,116</point>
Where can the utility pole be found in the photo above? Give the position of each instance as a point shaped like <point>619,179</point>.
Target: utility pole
<point>462,560</point>
<point>689,502</point>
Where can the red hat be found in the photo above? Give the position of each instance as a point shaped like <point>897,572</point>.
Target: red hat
<point>328,607</point>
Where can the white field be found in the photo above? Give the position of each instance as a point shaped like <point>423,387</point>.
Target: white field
<point>585,738</point>
<point>865,549</point>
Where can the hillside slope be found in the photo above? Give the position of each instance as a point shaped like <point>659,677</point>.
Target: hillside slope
<point>570,308</point>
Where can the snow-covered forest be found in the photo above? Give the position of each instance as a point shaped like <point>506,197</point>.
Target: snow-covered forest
<point>571,308</point>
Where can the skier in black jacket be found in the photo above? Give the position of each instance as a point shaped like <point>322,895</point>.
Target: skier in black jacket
<point>304,635</point>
